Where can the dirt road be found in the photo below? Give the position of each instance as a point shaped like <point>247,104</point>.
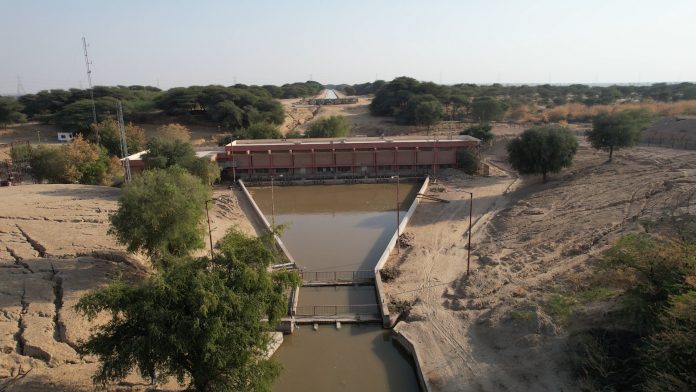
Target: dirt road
<point>490,331</point>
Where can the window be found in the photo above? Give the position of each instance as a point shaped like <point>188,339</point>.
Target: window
<point>344,169</point>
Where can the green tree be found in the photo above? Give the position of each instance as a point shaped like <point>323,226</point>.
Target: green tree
<point>486,109</point>
<point>110,137</point>
<point>11,111</point>
<point>422,109</point>
<point>542,150</point>
<point>78,117</point>
<point>613,131</point>
<point>482,131</point>
<point>161,212</point>
<point>46,164</point>
<point>332,126</point>
<point>199,319</point>
<point>261,131</point>
<point>164,153</point>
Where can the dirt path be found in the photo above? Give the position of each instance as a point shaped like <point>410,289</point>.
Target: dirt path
<point>490,332</point>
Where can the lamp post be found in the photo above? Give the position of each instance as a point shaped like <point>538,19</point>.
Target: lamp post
<point>398,218</point>
<point>468,247</point>
<point>273,202</point>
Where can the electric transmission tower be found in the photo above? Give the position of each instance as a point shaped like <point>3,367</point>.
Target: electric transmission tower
<point>20,87</point>
<point>124,144</point>
<point>91,90</point>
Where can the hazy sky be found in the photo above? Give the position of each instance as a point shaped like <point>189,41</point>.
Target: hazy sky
<point>178,43</point>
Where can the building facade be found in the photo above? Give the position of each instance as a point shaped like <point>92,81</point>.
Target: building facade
<point>339,158</point>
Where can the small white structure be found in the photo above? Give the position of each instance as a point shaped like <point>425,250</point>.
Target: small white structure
<point>65,137</point>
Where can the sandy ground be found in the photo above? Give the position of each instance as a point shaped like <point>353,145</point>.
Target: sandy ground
<point>489,331</point>
<point>54,247</point>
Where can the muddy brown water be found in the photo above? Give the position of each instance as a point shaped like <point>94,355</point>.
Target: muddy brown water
<point>336,227</point>
<point>339,228</point>
<point>360,357</point>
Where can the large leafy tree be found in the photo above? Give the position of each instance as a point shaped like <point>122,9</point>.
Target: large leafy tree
<point>542,150</point>
<point>203,320</point>
<point>78,116</point>
<point>11,111</point>
<point>613,131</point>
<point>486,109</point>
<point>161,212</point>
<point>332,126</point>
<point>163,153</point>
<point>110,136</point>
<point>421,110</point>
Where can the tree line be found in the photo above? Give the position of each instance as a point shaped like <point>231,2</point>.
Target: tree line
<point>231,107</point>
<point>414,102</point>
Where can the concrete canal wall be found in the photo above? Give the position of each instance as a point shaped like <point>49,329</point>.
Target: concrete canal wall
<point>387,320</point>
<point>259,217</point>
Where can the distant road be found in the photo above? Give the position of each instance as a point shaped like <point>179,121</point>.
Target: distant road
<point>330,94</point>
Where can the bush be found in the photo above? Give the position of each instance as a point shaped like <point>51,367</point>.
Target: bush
<point>261,131</point>
<point>649,343</point>
<point>468,161</point>
<point>482,131</point>
<point>78,162</point>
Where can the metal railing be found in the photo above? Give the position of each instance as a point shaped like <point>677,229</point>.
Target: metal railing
<point>360,276</point>
<point>337,310</point>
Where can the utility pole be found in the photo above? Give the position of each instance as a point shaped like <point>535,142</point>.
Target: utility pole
<point>468,247</point>
<point>210,233</point>
<point>398,217</point>
<point>91,89</point>
<point>124,144</point>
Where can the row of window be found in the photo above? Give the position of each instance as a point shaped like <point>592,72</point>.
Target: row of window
<point>345,169</point>
<point>422,149</point>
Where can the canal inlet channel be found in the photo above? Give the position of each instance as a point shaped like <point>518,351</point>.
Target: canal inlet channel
<point>342,282</point>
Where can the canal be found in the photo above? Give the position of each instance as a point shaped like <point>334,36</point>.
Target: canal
<point>339,228</point>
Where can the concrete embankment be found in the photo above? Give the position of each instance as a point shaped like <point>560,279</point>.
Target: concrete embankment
<point>387,320</point>
<point>260,218</point>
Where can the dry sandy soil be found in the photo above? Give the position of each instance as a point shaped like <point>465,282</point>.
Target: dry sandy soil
<point>54,247</point>
<point>489,331</point>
